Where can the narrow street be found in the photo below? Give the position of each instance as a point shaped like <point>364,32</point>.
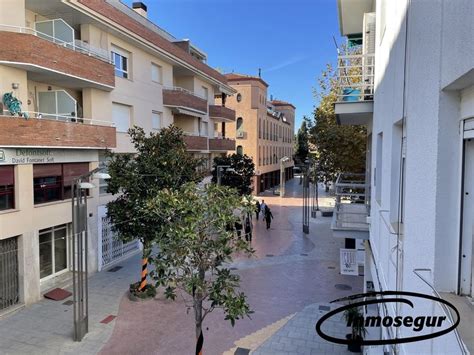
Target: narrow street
<point>286,279</point>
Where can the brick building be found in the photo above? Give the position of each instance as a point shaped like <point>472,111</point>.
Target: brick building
<point>85,71</point>
<point>264,130</point>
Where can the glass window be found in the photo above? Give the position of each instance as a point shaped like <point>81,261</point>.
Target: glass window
<point>53,182</point>
<point>205,92</point>
<point>7,187</point>
<point>156,120</point>
<point>121,117</point>
<point>47,183</point>
<point>120,61</point>
<point>240,150</point>
<point>156,73</point>
<point>53,243</point>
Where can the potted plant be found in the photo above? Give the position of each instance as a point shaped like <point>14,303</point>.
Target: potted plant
<point>355,318</point>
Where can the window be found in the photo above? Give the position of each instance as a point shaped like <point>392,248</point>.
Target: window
<point>53,182</point>
<point>120,61</point>
<point>156,120</point>
<point>58,103</point>
<point>121,117</point>
<point>204,130</point>
<point>7,187</point>
<point>239,126</point>
<point>53,244</point>
<point>205,92</point>
<point>260,128</point>
<point>239,97</point>
<point>240,150</point>
<point>156,73</point>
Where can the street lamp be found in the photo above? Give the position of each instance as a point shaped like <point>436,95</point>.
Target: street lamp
<point>314,199</point>
<point>80,247</point>
<point>283,175</point>
<point>306,197</point>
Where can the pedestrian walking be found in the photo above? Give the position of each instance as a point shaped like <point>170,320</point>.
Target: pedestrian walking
<point>238,228</point>
<point>263,208</point>
<point>268,217</point>
<point>248,228</point>
<point>257,209</point>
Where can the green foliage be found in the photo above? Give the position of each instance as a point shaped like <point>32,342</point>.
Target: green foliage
<point>339,148</point>
<point>301,142</point>
<point>161,161</point>
<point>195,245</point>
<point>241,179</point>
<point>355,316</point>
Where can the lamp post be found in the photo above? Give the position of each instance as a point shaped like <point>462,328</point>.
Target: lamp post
<point>283,175</point>
<point>306,196</point>
<point>314,199</point>
<point>80,249</point>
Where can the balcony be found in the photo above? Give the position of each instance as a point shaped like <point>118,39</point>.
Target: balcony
<point>352,207</point>
<point>184,102</point>
<point>221,144</point>
<point>221,113</point>
<point>351,15</point>
<point>355,84</point>
<point>56,131</point>
<point>48,59</point>
<point>196,143</point>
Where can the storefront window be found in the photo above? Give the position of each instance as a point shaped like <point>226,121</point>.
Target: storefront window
<point>7,187</point>
<point>53,182</point>
<point>53,250</point>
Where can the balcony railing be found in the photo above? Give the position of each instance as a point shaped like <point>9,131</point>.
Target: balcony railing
<point>352,203</point>
<point>221,113</point>
<point>59,117</point>
<point>355,77</point>
<point>182,98</point>
<point>76,45</point>
<point>221,144</point>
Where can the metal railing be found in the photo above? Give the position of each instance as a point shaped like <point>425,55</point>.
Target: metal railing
<point>355,77</point>
<point>446,310</point>
<point>59,117</point>
<point>9,276</point>
<point>177,88</point>
<point>76,45</point>
<point>352,202</point>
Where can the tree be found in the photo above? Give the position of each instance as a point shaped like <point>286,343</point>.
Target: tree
<point>339,148</point>
<point>161,161</point>
<point>240,177</point>
<point>301,142</point>
<point>195,248</point>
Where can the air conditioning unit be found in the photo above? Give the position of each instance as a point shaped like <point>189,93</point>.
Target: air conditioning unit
<point>240,134</point>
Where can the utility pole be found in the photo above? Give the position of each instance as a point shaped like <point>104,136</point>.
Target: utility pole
<point>305,172</point>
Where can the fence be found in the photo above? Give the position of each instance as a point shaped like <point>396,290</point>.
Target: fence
<point>9,290</point>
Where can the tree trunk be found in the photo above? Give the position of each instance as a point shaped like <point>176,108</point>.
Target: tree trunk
<point>144,274</point>
<point>198,316</point>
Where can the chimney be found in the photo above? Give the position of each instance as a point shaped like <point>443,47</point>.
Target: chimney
<point>259,72</point>
<point>139,8</point>
<point>271,97</point>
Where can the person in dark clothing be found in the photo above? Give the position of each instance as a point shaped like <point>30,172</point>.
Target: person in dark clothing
<point>268,217</point>
<point>248,228</point>
<point>257,209</point>
<point>238,228</point>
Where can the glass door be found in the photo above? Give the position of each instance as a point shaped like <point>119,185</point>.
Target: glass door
<point>53,250</point>
<point>466,280</point>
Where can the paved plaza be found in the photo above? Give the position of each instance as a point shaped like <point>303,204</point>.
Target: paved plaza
<point>287,280</point>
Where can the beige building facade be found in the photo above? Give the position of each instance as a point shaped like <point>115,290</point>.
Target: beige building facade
<point>85,71</point>
<point>263,130</point>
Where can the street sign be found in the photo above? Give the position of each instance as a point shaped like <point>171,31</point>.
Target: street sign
<point>348,262</point>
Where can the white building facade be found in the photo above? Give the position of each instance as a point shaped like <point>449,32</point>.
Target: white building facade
<point>415,94</point>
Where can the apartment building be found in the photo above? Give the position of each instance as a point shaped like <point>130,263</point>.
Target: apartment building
<point>85,71</point>
<point>263,130</point>
<point>408,76</point>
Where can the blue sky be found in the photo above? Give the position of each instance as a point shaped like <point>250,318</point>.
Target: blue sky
<point>291,40</point>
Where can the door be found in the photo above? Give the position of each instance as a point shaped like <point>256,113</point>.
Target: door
<point>466,251</point>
